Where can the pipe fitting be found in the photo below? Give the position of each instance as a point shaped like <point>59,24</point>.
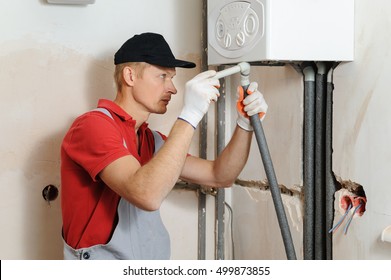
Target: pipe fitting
<point>244,68</point>
<point>244,74</point>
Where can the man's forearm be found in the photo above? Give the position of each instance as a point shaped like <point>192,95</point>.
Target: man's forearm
<point>160,174</point>
<point>233,158</point>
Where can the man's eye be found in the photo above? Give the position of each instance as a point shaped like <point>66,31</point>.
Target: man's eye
<point>163,76</point>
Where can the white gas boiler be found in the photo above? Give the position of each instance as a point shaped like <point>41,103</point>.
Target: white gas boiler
<point>280,30</point>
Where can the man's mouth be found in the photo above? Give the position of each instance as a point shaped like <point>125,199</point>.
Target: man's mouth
<point>166,100</point>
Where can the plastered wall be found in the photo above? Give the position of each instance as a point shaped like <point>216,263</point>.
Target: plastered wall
<point>363,130</point>
<point>361,136</point>
<point>56,62</point>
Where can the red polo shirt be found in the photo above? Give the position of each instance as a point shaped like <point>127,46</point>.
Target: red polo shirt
<point>89,207</point>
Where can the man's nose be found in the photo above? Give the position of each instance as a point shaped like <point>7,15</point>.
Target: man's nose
<point>171,88</point>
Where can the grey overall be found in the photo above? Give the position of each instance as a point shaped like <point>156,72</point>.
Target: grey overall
<point>139,234</point>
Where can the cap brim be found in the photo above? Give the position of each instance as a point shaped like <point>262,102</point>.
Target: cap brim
<point>172,63</point>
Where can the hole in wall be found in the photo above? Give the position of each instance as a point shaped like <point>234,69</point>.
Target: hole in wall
<point>351,194</point>
<point>50,193</point>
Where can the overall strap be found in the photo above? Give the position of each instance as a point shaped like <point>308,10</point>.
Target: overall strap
<point>157,137</point>
<point>104,111</point>
<point>158,141</point>
<point>107,113</point>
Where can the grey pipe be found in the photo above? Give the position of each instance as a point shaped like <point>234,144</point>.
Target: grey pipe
<point>330,181</point>
<point>244,69</point>
<point>271,177</point>
<point>308,160</point>
<point>274,189</point>
<point>320,121</point>
<point>318,177</point>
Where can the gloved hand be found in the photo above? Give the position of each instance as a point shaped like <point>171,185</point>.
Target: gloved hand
<point>253,104</point>
<point>199,92</point>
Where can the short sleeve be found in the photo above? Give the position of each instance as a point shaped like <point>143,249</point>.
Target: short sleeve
<point>93,142</point>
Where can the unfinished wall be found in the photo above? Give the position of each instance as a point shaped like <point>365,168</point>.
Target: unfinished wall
<point>56,62</point>
<point>362,132</point>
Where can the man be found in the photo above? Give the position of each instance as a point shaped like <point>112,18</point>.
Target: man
<point>116,172</point>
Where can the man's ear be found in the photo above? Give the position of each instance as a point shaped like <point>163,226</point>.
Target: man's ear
<point>128,75</point>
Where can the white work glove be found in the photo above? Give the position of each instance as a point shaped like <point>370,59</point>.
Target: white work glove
<point>253,104</point>
<point>199,92</point>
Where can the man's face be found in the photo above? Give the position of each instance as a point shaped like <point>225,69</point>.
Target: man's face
<point>153,89</point>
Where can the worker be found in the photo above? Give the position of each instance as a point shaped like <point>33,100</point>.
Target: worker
<point>116,171</point>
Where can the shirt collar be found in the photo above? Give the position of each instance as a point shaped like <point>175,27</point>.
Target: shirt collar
<point>108,104</point>
<point>112,106</point>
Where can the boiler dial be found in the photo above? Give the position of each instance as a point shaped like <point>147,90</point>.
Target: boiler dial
<point>239,26</point>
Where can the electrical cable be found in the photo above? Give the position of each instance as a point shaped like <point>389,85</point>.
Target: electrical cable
<point>351,218</point>
<point>341,220</point>
<point>231,225</point>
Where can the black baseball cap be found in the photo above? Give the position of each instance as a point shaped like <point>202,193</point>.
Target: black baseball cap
<point>151,48</point>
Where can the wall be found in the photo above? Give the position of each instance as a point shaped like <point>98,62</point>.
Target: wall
<point>362,132</point>
<point>56,61</point>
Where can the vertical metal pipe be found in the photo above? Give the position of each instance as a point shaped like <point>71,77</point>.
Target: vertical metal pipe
<point>203,142</point>
<point>320,121</point>
<point>201,225</point>
<point>308,160</point>
<point>330,183</point>
<point>220,196</point>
